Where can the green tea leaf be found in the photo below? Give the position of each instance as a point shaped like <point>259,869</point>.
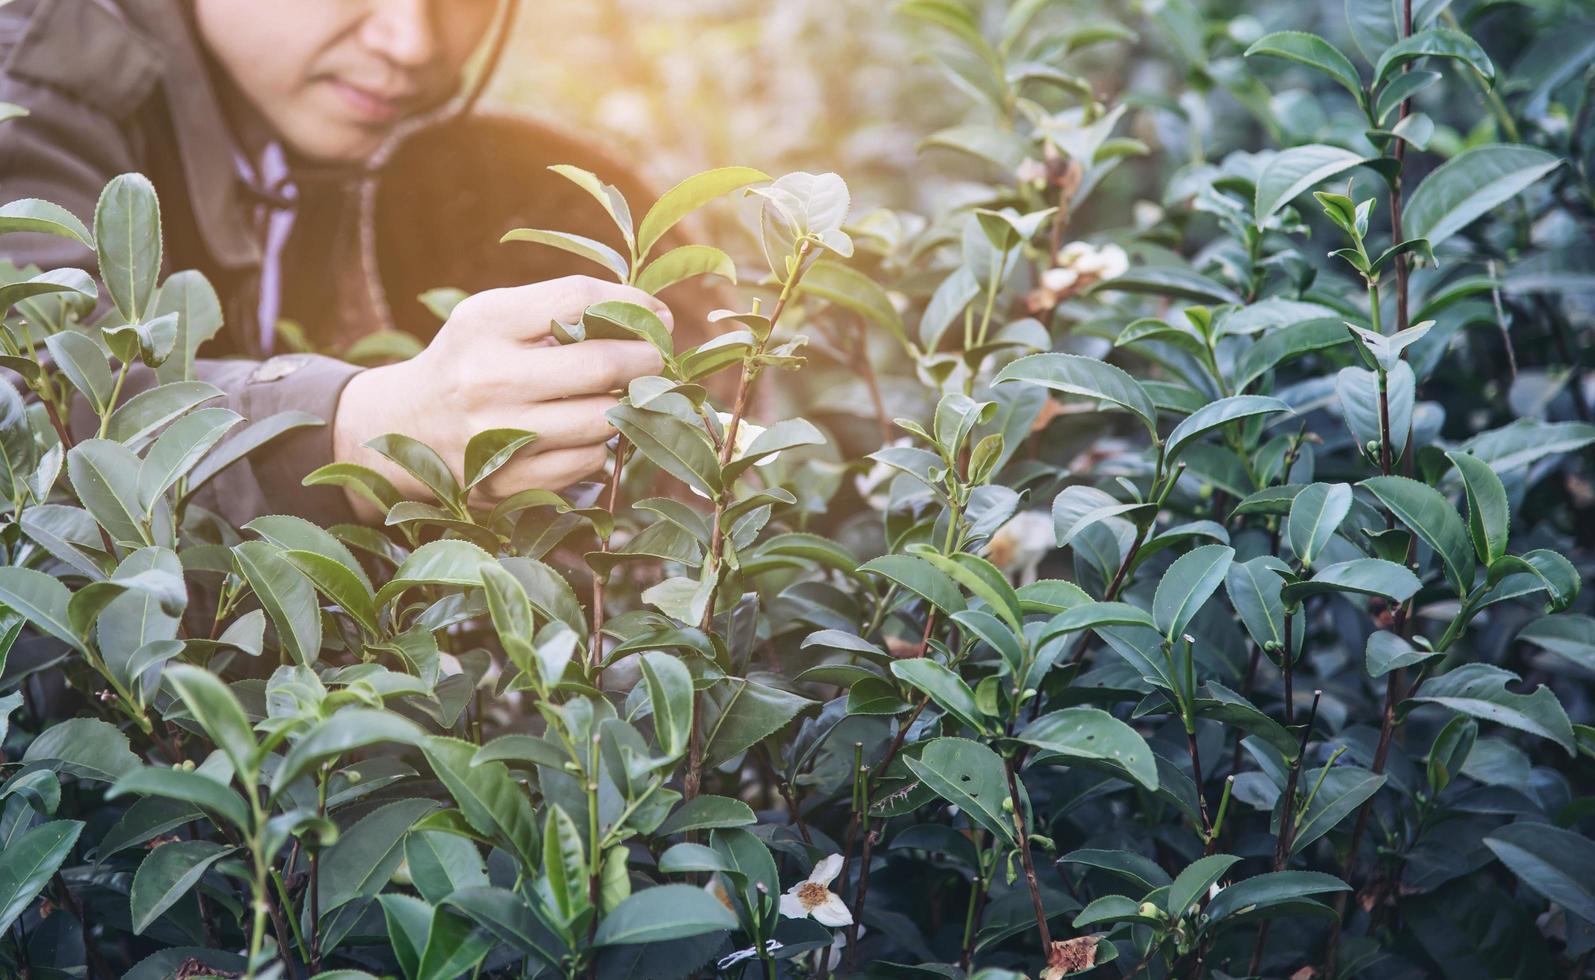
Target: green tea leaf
<point>1072,374</point>
<point>687,197</point>
<point>166,875</point>
<point>28,862</point>
<point>663,913</point>
<point>1470,185</point>
<point>970,776</point>
<point>127,237</point>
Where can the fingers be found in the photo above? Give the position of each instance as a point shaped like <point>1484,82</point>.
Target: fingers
<point>589,368</point>
<point>563,424</point>
<point>524,312</point>
<point>552,470</point>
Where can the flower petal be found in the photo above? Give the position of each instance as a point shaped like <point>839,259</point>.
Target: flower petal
<point>826,870</point>
<point>792,906</point>
<point>833,912</point>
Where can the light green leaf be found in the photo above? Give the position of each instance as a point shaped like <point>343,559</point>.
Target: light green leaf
<point>214,706</point>
<point>1315,515</point>
<point>1432,518</point>
<point>1313,51</point>
<point>1092,736</point>
<point>678,448</point>
<point>1292,172</point>
<point>1193,882</point>
<point>663,913</point>
<point>349,729</point>
<point>1088,377</point>
<point>1436,42</point>
<point>971,777</point>
<point>445,562</point>
<point>686,262</point>
<point>1479,690</point>
<point>670,694</point>
<point>1218,413</point>
<point>588,248</point>
<point>1470,185</point>
<point>607,196</point>
<point>127,236</point>
<point>942,686</point>
<point>919,576</point>
<point>32,214</point>
<point>687,197</point>
<point>489,450</point>
<point>287,595</point>
<point>1186,587</point>
<point>1489,514</point>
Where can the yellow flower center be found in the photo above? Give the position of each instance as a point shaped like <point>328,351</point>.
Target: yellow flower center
<point>812,894</point>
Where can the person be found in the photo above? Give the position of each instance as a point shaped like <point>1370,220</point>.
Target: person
<point>221,103</point>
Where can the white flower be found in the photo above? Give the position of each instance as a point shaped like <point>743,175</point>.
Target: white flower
<point>813,896</point>
<point>1111,262</point>
<point>1019,545</point>
<point>1089,262</point>
<point>1059,279</point>
<point>746,433</point>
<point>1072,253</point>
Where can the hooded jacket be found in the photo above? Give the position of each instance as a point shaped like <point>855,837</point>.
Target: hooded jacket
<point>116,87</point>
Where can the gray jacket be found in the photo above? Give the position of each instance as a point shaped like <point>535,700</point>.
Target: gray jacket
<point>117,87</point>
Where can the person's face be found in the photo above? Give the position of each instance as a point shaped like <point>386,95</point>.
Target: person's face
<point>333,77</point>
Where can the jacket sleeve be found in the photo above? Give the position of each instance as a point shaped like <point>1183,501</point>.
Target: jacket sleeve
<point>64,151</point>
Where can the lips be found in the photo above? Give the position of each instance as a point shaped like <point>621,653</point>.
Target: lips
<point>372,105</point>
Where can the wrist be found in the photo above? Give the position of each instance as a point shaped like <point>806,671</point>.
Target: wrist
<point>366,410</point>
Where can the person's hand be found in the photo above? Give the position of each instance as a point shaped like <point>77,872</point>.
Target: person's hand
<point>494,365</point>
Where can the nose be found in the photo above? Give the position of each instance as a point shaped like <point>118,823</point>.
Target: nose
<point>402,31</point>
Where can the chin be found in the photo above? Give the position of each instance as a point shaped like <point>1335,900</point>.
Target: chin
<point>335,143</point>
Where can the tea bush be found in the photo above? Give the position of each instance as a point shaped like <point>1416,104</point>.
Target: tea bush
<point>1178,589</point>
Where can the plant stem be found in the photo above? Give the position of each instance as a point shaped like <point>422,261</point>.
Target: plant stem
<point>867,370</point>
<point>863,870</point>
<point>1201,798</point>
<point>1024,858</point>
<point>1384,423</point>
<point>116,394</point>
<point>1287,659</point>
<point>315,880</point>
<point>1287,826</point>
<point>977,888</point>
<point>293,921</point>
<point>595,858</point>
<point>257,931</point>
<point>595,652</point>
<point>694,777</point>
<point>1287,820</point>
<point>785,789</point>
<point>1399,152</point>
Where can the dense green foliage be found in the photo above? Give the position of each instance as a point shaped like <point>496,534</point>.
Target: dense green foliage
<point>1194,595</point>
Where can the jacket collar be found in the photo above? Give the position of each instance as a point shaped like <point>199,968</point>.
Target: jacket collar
<point>204,141</point>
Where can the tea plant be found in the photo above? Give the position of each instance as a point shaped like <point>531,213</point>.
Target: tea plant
<point>1195,598</point>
